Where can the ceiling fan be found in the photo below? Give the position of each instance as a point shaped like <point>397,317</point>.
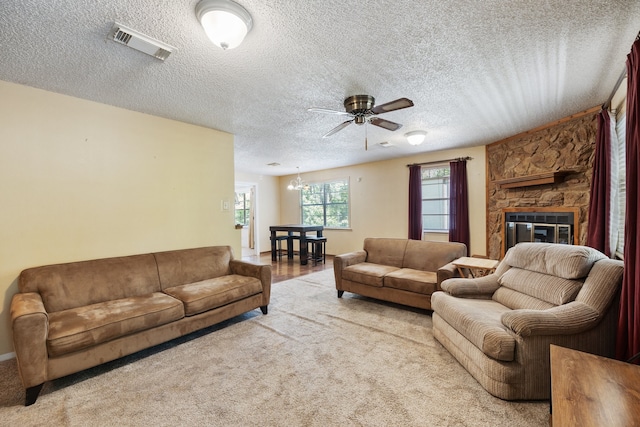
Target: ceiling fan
<point>362,109</point>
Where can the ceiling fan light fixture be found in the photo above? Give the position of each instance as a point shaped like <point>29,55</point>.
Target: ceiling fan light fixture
<point>225,22</point>
<point>415,137</point>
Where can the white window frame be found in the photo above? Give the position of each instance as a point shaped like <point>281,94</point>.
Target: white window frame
<point>425,170</point>
<point>326,202</point>
<point>243,199</point>
<point>618,183</point>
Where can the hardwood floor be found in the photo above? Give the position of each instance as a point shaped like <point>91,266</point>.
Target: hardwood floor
<point>288,268</point>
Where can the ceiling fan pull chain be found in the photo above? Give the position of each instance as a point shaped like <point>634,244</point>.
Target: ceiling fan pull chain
<point>365,137</point>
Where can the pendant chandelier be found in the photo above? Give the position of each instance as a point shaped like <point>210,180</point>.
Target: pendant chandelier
<point>298,183</point>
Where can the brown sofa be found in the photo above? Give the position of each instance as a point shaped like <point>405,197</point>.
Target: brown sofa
<point>73,316</point>
<point>397,270</point>
<point>500,327</point>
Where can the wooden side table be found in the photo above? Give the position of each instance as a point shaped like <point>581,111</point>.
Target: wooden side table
<point>477,267</point>
<point>589,390</point>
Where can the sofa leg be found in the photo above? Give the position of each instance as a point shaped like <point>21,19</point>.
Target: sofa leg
<point>340,294</point>
<point>264,309</point>
<point>32,394</point>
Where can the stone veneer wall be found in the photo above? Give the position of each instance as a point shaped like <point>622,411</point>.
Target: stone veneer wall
<point>565,146</point>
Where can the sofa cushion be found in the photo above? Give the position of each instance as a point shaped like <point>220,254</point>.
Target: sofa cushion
<point>430,256</point>
<point>180,267</point>
<point>385,251</point>
<point>408,279</point>
<point>479,321</point>
<point>551,289</point>
<point>213,293</point>
<point>367,273</point>
<point>78,328</point>
<point>565,261</point>
<point>517,300</point>
<point>78,284</point>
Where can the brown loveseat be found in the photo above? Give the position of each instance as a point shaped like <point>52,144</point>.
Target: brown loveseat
<point>500,326</point>
<point>70,317</point>
<point>397,270</point>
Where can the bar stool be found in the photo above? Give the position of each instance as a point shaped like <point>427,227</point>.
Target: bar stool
<point>279,240</point>
<point>293,238</point>
<point>318,249</point>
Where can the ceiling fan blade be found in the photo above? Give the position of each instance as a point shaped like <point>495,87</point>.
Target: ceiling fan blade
<point>398,104</point>
<point>327,111</point>
<point>377,121</point>
<point>337,128</point>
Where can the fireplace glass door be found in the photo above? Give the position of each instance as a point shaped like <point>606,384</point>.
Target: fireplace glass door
<point>517,232</point>
<point>564,234</point>
<point>546,227</point>
<point>544,233</point>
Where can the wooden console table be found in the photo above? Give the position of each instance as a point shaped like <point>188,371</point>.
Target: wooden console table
<point>589,390</point>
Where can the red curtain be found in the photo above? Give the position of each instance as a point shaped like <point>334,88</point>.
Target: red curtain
<point>459,204</point>
<point>599,204</point>
<point>415,202</point>
<point>628,339</point>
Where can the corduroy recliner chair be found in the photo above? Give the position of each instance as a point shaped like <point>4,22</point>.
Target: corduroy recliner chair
<point>500,327</point>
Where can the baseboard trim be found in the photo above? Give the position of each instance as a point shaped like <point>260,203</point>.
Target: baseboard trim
<point>7,356</point>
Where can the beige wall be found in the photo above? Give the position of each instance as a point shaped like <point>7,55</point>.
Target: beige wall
<point>82,180</point>
<point>379,199</point>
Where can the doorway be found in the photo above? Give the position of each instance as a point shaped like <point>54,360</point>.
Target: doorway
<point>245,217</point>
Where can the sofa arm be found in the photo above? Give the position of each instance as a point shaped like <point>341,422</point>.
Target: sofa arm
<point>566,319</point>
<point>480,287</point>
<point>30,325</point>
<point>340,262</point>
<point>345,260</point>
<point>447,271</point>
<point>261,272</point>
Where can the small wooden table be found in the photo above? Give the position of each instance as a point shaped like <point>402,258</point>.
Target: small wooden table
<point>477,266</point>
<point>290,229</point>
<point>589,390</point>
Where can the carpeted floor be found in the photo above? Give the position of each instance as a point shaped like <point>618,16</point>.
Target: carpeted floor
<point>314,360</point>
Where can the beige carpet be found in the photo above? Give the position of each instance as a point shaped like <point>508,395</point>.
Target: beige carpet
<point>314,360</point>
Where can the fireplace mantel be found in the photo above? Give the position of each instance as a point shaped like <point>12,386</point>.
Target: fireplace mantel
<point>531,180</point>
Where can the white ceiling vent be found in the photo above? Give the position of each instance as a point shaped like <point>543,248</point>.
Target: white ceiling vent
<point>139,41</point>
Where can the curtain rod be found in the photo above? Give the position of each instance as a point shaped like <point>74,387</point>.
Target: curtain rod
<point>607,104</point>
<point>457,159</point>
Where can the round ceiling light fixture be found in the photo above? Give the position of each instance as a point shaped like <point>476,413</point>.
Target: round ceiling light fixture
<point>225,22</point>
<point>416,137</point>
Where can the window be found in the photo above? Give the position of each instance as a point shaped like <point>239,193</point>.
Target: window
<point>618,184</point>
<point>435,198</point>
<point>326,204</point>
<point>242,208</point>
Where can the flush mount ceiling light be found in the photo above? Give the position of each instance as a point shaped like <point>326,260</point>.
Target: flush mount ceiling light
<point>416,137</point>
<point>225,22</point>
<point>298,183</point>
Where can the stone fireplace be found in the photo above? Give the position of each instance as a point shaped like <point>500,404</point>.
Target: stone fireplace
<point>538,175</point>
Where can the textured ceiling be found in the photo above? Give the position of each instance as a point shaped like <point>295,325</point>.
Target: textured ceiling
<point>477,71</point>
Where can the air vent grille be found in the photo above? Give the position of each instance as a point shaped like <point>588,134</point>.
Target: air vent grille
<point>122,36</point>
<point>138,41</point>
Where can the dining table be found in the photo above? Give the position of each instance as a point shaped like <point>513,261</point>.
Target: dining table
<point>294,231</point>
